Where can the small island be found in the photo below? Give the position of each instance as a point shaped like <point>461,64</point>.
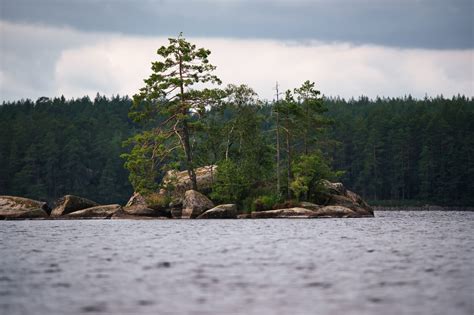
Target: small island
<point>184,203</point>
<point>246,174</point>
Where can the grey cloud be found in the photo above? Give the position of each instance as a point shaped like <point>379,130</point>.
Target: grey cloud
<point>436,24</point>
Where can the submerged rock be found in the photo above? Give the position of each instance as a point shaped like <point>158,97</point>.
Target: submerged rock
<point>283,213</point>
<point>12,207</point>
<point>194,204</point>
<point>121,214</point>
<point>71,203</point>
<point>226,211</point>
<point>98,212</point>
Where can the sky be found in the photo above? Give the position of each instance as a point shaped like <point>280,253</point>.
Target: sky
<point>385,48</point>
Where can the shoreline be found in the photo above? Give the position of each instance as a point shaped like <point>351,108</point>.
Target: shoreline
<point>422,208</point>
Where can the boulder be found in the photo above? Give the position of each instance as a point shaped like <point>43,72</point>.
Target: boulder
<point>179,182</point>
<point>336,212</point>
<point>283,213</point>
<point>139,210</point>
<point>71,203</point>
<point>98,212</point>
<point>176,213</point>
<point>309,205</point>
<point>244,216</point>
<point>335,194</point>
<point>195,203</point>
<point>227,211</point>
<point>136,199</point>
<point>155,205</point>
<point>22,208</point>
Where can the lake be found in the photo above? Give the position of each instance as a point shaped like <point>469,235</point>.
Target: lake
<point>396,263</point>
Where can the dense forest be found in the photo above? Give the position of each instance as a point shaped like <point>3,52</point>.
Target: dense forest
<point>54,147</point>
<point>405,150</point>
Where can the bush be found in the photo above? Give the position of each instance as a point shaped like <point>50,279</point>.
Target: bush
<point>231,185</point>
<point>265,202</point>
<point>308,171</point>
<point>157,201</point>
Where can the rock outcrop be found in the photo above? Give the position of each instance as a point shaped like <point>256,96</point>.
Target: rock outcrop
<point>226,211</point>
<point>194,204</point>
<point>71,203</point>
<point>335,194</point>
<point>155,205</point>
<point>136,200</point>
<point>335,212</point>
<point>309,205</point>
<point>12,207</point>
<point>98,212</point>
<point>179,182</point>
<point>139,210</point>
<point>283,213</point>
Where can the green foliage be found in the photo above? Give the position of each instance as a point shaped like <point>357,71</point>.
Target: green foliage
<point>141,162</point>
<point>308,170</point>
<point>265,202</point>
<point>395,149</point>
<point>231,185</point>
<point>170,112</point>
<point>54,147</point>
<point>156,200</point>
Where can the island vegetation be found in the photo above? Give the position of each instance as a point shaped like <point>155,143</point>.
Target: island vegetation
<point>390,150</point>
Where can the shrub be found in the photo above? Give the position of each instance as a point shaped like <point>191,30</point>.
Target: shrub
<point>265,202</point>
<point>157,200</point>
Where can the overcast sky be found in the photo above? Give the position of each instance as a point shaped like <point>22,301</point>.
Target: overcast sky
<point>348,47</point>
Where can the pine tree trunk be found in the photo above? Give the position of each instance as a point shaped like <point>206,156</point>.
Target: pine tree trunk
<point>278,151</point>
<point>187,147</point>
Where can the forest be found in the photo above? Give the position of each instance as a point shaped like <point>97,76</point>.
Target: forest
<point>397,151</point>
<point>392,151</point>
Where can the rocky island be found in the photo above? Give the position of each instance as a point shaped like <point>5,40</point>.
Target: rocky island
<point>336,202</point>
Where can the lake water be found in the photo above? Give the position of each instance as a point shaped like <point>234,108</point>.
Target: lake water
<point>396,263</point>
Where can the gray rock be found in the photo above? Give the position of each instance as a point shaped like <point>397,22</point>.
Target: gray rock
<point>309,205</point>
<point>99,212</point>
<point>335,212</point>
<point>194,204</point>
<point>176,213</point>
<point>337,195</point>
<point>283,213</point>
<point>226,211</point>
<point>71,203</point>
<point>12,207</point>
<point>140,210</point>
<point>154,205</point>
<point>178,182</point>
<point>136,200</point>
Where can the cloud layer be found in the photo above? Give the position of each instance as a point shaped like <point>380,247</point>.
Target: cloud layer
<point>39,61</point>
<point>397,23</point>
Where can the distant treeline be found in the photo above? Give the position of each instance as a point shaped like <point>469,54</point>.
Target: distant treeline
<point>401,149</point>
<point>54,147</point>
<point>406,149</point>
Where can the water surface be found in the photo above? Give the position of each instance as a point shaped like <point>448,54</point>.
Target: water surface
<point>396,263</point>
